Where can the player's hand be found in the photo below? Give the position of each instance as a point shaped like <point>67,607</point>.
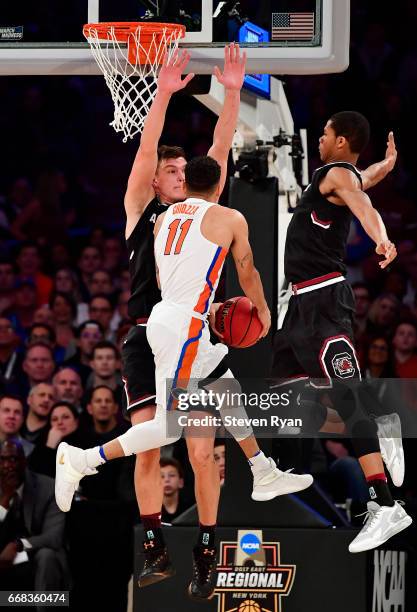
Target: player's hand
<point>169,79</point>
<point>234,68</point>
<point>265,318</point>
<point>391,152</point>
<point>212,318</point>
<point>388,250</point>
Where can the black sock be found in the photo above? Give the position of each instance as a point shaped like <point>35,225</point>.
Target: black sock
<point>152,532</point>
<point>379,491</point>
<point>206,536</point>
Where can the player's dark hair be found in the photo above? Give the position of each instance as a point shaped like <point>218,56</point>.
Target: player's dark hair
<point>202,174</point>
<point>167,152</point>
<point>354,127</point>
<point>164,461</point>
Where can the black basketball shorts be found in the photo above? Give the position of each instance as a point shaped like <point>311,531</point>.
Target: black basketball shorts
<point>316,339</point>
<point>138,370</point>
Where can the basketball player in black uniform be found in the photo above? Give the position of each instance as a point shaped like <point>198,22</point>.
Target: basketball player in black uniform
<point>316,340</point>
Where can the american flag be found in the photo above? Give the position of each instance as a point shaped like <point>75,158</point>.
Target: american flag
<point>292,26</point>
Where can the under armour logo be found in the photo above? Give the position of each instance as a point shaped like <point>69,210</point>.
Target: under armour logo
<point>209,551</point>
<point>147,545</point>
<point>372,493</point>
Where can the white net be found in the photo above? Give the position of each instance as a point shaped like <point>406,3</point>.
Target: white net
<point>130,70</point>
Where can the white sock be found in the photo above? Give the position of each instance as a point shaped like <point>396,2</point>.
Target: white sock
<point>259,462</point>
<point>93,457</point>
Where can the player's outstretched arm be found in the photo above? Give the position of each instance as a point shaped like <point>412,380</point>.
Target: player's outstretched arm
<point>232,80</point>
<point>249,278</point>
<point>346,186</point>
<point>377,172</point>
<point>139,188</point>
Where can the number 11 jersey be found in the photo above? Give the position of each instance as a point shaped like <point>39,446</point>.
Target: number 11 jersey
<point>189,264</point>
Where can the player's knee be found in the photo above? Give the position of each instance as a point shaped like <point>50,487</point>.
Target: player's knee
<point>200,457</point>
<point>148,461</point>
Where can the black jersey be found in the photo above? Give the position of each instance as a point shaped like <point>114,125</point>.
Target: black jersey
<point>144,288</point>
<point>318,232</point>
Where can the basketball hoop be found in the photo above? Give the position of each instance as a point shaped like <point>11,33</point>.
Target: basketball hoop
<point>129,55</point>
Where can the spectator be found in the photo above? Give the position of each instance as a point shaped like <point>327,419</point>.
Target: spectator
<point>220,458</point>
<point>362,303</point>
<point>63,425</point>
<point>11,421</point>
<point>378,362</point>
<point>88,335</point>
<point>10,360</point>
<point>101,283</point>
<point>105,364</point>
<point>90,260</point>
<point>65,312</point>
<point>172,476</point>
<point>42,332</point>
<point>383,314</point>
<point>29,266</point>
<point>405,345</point>
<point>40,402</point>
<point>102,310</point>
<point>44,315</point>
<point>38,364</point>
<point>124,280</point>
<point>66,281</point>
<point>68,387</point>
<point>44,219</point>
<point>24,307</point>
<point>20,194</point>
<point>30,524</point>
<point>60,257</point>
<point>121,313</point>
<point>103,409</point>
<point>7,285</point>
<point>112,255</point>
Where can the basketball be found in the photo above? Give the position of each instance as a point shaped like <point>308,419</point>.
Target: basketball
<point>237,320</point>
<point>249,606</point>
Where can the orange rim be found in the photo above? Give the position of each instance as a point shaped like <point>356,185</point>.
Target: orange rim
<point>124,29</point>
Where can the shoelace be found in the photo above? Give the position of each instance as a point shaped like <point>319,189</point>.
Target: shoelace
<point>370,515</point>
<point>152,556</point>
<point>203,568</point>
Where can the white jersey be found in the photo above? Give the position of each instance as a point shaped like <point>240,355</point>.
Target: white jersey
<point>189,265</point>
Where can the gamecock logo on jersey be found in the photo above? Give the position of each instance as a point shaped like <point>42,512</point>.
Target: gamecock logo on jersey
<point>343,365</point>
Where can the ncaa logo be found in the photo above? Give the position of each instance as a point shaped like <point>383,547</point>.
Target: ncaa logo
<point>250,544</point>
<point>343,365</point>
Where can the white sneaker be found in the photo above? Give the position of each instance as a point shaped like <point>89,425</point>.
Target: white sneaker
<point>273,482</point>
<point>381,523</point>
<point>391,445</point>
<point>67,478</point>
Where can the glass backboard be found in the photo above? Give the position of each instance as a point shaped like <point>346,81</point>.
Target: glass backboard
<point>281,36</point>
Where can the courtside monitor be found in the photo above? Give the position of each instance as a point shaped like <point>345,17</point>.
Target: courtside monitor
<point>258,83</point>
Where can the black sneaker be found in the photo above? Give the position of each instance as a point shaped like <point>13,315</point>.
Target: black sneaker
<point>204,565</point>
<point>157,565</point>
